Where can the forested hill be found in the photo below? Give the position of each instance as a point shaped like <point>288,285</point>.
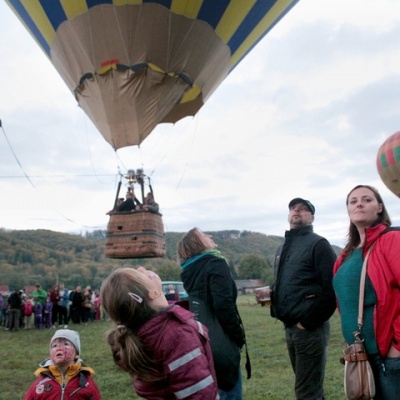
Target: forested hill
<point>42,256</point>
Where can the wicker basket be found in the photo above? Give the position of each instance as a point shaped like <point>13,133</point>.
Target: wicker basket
<point>137,234</point>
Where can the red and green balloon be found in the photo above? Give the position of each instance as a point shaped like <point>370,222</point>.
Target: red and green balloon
<point>388,163</point>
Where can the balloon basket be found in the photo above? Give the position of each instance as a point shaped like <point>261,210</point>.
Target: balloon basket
<point>137,234</point>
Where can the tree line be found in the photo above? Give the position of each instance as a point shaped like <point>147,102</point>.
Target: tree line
<point>41,256</point>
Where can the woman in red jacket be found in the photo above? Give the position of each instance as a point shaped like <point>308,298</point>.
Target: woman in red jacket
<point>369,222</point>
<point>165,350</point>
<point>64,375</point>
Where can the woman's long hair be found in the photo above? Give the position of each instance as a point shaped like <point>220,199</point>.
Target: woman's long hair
<point>125,299</point>
<point>353,234</point>
<point>190,245</point>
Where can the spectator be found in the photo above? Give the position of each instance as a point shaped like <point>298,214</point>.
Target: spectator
<point>21,314</point>
<point>171,294</point>
<point>206,276</point>
<point>28,314</point>
<point>86,305</point>
<point>38,310</point>
<point>303,298</point>
<point>97,305</point>
<point>64,375</point>
<point>5,311</point>
<point>76,305</point>
<point>39,295</point>
<point>14,303</point>
<point>369,230</point>
<point>48,314</point>
<point>55,298</point>
<point>161,346</point>
<point>2,303</point>
<point>63,306</point>
<point>23,295</point>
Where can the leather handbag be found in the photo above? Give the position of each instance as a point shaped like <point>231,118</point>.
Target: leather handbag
<point>359,383</point>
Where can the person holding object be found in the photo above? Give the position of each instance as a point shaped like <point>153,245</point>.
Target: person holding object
<point>149,204</point>
<point>369,226</point>
<point>165,351</point>
<point>64,375</point>
<point>206,276</point>
<point>263,295</point>
<point>302,297</point>
<point>129,203</point>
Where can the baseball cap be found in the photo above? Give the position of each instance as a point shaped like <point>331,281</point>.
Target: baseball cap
<point>69,334</point>
<point>307,203</point>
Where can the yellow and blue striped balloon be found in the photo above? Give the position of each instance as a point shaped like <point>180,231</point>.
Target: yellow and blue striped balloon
<point>133,64</point>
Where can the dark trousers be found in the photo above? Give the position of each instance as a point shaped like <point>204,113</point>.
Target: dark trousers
<point>62,315</point>
<point>387,377</point>
<point>54,314</point>
<point>75,314</point>
<point>307,352</point>
<point>14,318</point>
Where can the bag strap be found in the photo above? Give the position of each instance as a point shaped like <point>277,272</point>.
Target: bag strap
<point>360,319</point>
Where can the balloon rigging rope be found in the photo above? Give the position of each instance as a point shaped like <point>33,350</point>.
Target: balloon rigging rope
<point>188,154</point>
<point>15,156</point>
<point>92,164</point>
<point>30,181</point>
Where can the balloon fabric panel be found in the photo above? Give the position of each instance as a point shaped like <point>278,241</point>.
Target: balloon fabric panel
<point>388,163</point>
<point>132,64</point>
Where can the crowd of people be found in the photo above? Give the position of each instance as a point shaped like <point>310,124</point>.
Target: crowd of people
<point>56,307</point>
<point>168,346</point>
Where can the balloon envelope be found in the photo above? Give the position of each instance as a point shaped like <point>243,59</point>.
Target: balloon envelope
<point>132,64</point>
<point>388,163</point>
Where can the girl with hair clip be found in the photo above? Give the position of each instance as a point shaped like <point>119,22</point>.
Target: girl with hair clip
<point>164,349</point>
<point>369,229</point>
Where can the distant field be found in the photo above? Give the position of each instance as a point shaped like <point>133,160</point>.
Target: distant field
<point>20,353</point>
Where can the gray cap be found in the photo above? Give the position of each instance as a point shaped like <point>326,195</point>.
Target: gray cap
<point>307,203</point>
<point>69,334</point>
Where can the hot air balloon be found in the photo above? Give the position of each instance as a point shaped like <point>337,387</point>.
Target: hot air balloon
<point>132,64</point>
<point>388,163</point>
<point>135,233</point>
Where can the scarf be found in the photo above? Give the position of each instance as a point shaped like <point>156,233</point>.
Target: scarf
<point>211,252</point>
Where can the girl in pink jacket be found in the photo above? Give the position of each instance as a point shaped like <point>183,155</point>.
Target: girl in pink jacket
<point>165,350</point>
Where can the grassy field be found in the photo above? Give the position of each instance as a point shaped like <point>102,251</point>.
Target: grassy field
<point>20,353</point>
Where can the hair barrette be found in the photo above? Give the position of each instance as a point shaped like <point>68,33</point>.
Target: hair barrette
<point>135,297</point>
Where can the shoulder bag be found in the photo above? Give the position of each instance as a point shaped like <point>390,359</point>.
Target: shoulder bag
<point>359,383</point>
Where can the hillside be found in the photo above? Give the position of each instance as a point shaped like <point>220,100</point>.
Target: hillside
<point>28,257</point>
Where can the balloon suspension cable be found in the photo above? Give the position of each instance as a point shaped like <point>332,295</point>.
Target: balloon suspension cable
<point>150,187</point>
<point>118,190</point>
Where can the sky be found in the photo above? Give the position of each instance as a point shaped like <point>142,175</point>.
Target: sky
<point>303,115</point>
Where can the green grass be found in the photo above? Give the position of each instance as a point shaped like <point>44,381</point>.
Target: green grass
<point>20,353</point>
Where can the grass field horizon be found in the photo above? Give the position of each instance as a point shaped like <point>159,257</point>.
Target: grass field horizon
<point>272,376</point>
